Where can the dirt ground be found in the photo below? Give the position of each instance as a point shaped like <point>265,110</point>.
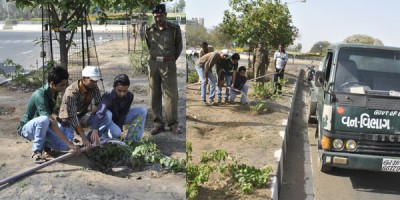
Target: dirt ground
<point>73,178</point>
<point>248,138</point>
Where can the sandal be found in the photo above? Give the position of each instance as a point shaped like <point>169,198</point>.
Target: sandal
<point>37,158</point>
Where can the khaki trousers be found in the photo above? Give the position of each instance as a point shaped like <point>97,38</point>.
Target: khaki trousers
<point>163,83</point>
<point>259,70</point>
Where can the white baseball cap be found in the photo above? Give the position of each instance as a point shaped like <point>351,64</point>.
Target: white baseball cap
<point>92,71</point>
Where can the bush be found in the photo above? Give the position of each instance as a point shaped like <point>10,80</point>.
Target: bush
<point>193,76</point>
<point>139,60</point>
<point>267,90</point>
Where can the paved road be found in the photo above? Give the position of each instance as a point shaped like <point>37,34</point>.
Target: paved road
<point>303,180</point>
<point>20,47</point>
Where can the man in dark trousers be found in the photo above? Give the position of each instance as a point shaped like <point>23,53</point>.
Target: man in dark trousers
<point>280,60</point>
<point>227,73</point>
<point>164,41</point>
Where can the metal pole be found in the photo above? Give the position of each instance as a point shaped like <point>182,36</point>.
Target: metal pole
<point>87,41</point>
<point>42,54</point>
<point>31,170</point>
<point>83,44</point>
<point>50,32</point>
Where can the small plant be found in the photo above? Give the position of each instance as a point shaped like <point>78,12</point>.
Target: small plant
<point>21,184</point>
<point>248,177</point>
<point>139,60</point>
<point>268,90</point>
<point>133,154</point>
<point>193,76</point>
<point>260,107</point>
<point>19,77</point>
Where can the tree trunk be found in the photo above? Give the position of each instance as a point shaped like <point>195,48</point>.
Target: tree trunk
<point>63,50</point>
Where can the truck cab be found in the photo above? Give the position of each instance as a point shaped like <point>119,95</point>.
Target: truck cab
<point>357,100</point>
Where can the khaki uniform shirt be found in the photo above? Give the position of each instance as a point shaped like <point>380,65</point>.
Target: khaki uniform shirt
<point>209,60</point>
<point>261,56</point>
<point>166,42</point>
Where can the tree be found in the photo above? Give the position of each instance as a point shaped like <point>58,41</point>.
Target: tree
<point>217,37</point>
<point>195,34</point>
<point>320,47</point>
<point>295,47</point>
<point>363,39</point>
<point>252,21</point>
<point>67,16</point>
<point>181,5</point>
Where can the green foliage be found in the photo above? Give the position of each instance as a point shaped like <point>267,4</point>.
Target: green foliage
<point>134,154</point>
<point>248,177</point>
<point>363,39</point>
<point>193,76</point>
<point>267,90</point>
<point>139,61</point>
<point>320,47</point>
<point>252,21</point>
<point>19,77</point>
<point>260,107</point>
<point>195,34</point>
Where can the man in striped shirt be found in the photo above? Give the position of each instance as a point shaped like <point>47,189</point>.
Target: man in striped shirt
<point>74,110</point>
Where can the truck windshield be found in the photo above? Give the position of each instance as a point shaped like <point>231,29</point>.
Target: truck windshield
<point>368,71</point>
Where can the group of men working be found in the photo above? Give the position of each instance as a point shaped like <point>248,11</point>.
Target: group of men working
<point>83,106</point>
<point>235,78</point>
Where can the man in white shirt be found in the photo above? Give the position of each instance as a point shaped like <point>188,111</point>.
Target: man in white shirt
<point>280,60</point>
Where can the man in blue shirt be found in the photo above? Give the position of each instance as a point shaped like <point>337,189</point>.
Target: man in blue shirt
<point>117,104</point>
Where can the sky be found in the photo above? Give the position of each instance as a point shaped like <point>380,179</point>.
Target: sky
<point>322,20</point>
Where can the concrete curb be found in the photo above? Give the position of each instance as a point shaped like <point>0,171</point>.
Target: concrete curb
<point>281,153</point>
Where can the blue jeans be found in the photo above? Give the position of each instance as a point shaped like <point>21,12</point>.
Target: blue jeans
<point>228,80</point>
<point>57,144</point>
<point>200,71</point>
<point>243,99</point>
<point>38,130</point>
<point>136,117</point>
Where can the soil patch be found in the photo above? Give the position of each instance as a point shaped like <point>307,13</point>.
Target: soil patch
<point>249,137</point>
<point>75,178</point>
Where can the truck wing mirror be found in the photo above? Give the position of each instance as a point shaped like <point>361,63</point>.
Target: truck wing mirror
<point>319,78</point>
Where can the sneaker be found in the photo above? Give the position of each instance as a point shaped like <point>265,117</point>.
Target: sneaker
<point>212,103</point>
<point>156,130</point>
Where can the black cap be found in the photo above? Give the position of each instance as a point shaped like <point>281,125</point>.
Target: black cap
<point>160,8</point>
<point>235,56</point>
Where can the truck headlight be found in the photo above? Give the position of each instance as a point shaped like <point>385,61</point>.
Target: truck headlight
<point>351,145</point>
<point>337,144</point>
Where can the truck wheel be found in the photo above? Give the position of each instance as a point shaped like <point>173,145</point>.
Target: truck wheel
<point>312,110</point>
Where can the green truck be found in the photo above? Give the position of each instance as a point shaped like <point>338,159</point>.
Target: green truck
<point>355,101</point>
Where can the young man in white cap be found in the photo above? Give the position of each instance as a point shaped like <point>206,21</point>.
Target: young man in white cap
<point>74,110</point>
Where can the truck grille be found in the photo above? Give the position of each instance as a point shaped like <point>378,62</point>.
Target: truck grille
<point>379,148</point>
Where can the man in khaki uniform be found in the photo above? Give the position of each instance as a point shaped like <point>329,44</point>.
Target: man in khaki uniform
<point>164,41</point>
<point>260,62</point>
